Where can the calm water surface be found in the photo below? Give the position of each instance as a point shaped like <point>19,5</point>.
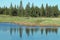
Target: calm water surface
<point>10,31</point>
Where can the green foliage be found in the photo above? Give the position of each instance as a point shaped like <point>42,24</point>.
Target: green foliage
<point>11,10</point>
<point>42,11</point>
<point>28,11</point>
<point>20,9</point>
<point>31,11</point>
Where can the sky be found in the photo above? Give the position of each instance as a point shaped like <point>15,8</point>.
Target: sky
<point>36,2</point>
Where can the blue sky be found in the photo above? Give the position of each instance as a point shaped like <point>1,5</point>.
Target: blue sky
<point>36,2</point>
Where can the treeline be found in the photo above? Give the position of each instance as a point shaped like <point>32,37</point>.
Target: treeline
<point>33,11</point>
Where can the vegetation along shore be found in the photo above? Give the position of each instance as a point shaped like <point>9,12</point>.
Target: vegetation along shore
<point>31,21</point>
<point>31,15</point>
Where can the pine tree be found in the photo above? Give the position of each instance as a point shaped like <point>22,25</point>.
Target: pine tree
<point>27,9</point>
<point>20,10</point>
<point>56,11</point>
<point>32,10</point>
<point>5,10</point>
<point>14,13</point>
<point>11,10</point>
<point>47,10</point>
<point>37,12</point>
<point>42,11</point>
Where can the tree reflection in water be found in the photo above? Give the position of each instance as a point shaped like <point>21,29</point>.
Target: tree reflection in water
<point>27,31</point>
<point>49,30</point>
<point>33,30</point>
<point>20,32</point>
<point>41,30</point>
<point>10,31</point>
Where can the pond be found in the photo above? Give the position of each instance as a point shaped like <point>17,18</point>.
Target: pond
<point>10,31</point>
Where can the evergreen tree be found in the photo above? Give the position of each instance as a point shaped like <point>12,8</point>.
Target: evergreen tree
<point>5,12</point>
<point>42,11</point>
<point>1,10</point>
<point>56,12</point>
<point>47,10</point>
<point>14,13</point>
<point>20,10</point>
<point>32,10</point>
<point>37,12</point>
<point>11,10</point>
<point>28,10</point>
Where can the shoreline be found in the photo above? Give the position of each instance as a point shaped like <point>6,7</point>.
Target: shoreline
<point>42,25</point>
<point>35,24</point>
<point>31,21</point>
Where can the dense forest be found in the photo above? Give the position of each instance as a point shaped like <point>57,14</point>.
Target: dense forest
<point>33,11</point>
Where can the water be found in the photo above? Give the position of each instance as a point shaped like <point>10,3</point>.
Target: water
<point>10,31</point>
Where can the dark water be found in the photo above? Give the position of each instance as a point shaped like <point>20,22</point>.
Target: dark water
<point>10,31</point>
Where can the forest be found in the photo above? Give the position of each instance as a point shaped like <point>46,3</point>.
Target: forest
<point>33,11</point>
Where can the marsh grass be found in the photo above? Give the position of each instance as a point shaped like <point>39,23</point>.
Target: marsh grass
<point>37,20</point>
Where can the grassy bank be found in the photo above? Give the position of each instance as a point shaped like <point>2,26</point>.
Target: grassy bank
<point>39,21</point>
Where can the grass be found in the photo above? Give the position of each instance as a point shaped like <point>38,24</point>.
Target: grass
<point>30,20</point>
